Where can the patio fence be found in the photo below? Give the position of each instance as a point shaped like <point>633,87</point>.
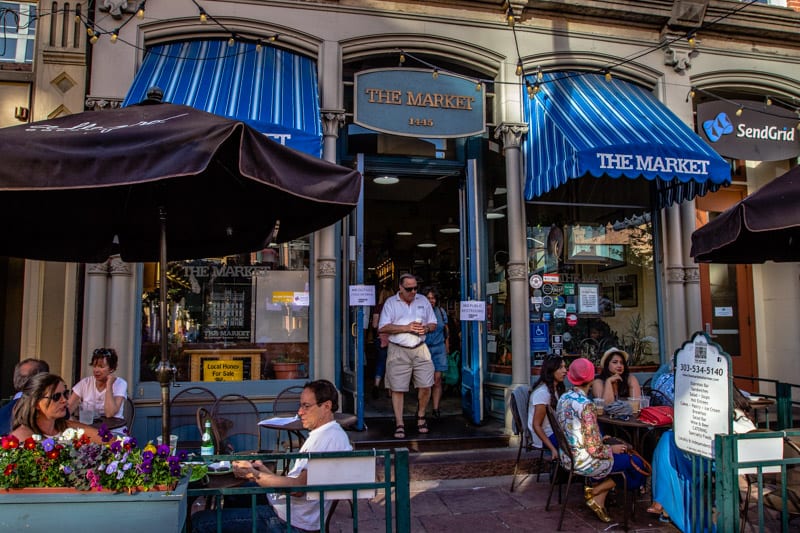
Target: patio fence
<point>394,486</point>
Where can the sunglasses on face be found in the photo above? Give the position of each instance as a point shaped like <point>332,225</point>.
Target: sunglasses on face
<point>104,352</point>
<point>411,289</point>
<point>56,396</point>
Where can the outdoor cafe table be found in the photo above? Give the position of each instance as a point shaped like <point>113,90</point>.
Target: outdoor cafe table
<point>111,422</point>
<point>633,431</point>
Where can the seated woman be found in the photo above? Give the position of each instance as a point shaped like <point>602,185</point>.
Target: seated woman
<point>615,381</point>
<point>102,392</point>
<point>546,391</point>
<point>672,469</point>
<point>593,458</point>
<point>42,410</point>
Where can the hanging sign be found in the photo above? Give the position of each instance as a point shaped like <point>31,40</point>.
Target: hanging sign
<point>415,103</point>
<point>760,133</point>
<point>702,395</point>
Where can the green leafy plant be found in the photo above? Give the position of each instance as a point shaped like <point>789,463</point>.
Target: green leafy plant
<point>73,460</point>
<point>638,343</point>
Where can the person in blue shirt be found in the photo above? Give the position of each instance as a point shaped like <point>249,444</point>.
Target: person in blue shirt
<point>22,371</point>
<point>438,342</point>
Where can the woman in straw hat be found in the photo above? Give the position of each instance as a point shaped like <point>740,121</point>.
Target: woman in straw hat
<point>615,380</point>
<point>593,458</point>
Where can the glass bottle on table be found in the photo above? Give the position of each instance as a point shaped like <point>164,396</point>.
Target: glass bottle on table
<point>207,440</point>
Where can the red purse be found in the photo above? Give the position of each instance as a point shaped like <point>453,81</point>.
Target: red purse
<point>660,415</point>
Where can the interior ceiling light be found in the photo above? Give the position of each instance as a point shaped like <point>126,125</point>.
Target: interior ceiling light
<point>449,227</point>
<point>385,180</point>
<point>404,233</point>
<point>426,244</point>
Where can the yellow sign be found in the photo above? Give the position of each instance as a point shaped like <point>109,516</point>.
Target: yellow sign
<point>283,297</point>
<point>218,370</point>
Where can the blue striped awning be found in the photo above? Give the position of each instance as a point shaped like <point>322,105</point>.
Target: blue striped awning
<point>581,124</point>
<point>272,90</point>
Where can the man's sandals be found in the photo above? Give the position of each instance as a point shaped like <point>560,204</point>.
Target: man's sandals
<point>400,432</point>
<point>422,425</point>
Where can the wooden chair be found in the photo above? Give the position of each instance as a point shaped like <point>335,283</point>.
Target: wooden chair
<point>518,403</point>
<point>562,470</point>
<point>183,415</point>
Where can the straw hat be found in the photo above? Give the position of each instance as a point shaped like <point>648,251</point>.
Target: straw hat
<point>581,371</point>
<point>612,351</point>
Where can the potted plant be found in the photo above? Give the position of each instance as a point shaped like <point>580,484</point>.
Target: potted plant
<point>288,368</point>
<point>638,343</point>
<point>70,478</point>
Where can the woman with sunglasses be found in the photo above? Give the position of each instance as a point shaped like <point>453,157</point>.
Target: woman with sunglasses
<point>102,392</point>
<point>42,410</point>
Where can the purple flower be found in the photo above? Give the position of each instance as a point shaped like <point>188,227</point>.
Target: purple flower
<point>146,468</point>
<point>66,468</point>
<point>163,450</point>
<point>48,444</point>
<point>111,468</point>
<point>116,446</point>
<point>147,456</point>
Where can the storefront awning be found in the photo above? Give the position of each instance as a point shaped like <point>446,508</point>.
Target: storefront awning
<point>274,91</point>
<point>581,124</point>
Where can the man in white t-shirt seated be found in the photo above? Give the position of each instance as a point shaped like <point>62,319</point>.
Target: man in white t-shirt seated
<point>318,403</point>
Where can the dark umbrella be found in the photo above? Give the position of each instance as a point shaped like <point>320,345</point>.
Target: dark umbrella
<point>764,226</point>
<point>89,185</point>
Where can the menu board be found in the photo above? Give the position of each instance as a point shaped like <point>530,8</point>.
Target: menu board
<point>702,395</point>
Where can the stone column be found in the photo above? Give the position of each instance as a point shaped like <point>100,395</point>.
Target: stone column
<point>325,272</point>
<point>94,308</point>
<point>121,303</point>
<point>517,271</point>
<point>675,304</point>
<point>691,271</point>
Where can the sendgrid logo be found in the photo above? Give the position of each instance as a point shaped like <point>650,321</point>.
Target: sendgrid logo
<point>717,127</point>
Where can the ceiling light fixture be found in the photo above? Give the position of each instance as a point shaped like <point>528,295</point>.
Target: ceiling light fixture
<point>404,233</point>
<point>385,180</point>
<point>450,227</point>
<point>426,244</point>
<point>492,213</point>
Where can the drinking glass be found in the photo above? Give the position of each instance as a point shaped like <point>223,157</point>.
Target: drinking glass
<point>86,414</point>
<point>173,443</point>
<point>599,405</point>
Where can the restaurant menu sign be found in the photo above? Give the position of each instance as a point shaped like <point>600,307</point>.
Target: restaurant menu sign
<point>702,395</point>
<point>759,133</point>
<point>419,103</point>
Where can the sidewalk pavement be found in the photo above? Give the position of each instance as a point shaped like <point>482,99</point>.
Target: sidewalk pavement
<point>485,505</point>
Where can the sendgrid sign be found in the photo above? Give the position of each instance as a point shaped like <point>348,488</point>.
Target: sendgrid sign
<point>761,133</point>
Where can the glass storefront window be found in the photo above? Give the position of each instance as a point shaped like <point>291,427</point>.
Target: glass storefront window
<point>237,318</point>
<point>595,284</point>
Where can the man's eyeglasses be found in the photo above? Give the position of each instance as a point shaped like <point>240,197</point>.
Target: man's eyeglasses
<point>307,406</point>
<point>411,289</point>
<point>56,396</point>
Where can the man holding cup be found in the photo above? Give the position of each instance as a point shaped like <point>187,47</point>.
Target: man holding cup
<point>406,317</point>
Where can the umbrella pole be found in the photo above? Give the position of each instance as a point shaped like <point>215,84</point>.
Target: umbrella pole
<point>165,370</point>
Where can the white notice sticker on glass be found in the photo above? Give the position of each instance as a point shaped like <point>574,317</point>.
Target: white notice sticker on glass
<point>723,311</point>
<point>473,310</point>
<point>362,295</point>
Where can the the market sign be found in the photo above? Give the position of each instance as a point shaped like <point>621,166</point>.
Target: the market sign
<point>415,103</point>
<point>768,133</point>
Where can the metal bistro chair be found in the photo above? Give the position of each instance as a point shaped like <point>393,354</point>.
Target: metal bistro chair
<point>286,404</point>
<point>561,471</point>
<point>518,403</point>
<point>236,418</point>
<point>129,413</point>
<point>183,415</point>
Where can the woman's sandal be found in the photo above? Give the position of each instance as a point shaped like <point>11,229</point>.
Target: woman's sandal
<point>423,427</point>
<point>599,511</point>
<point>658,510</point>
<point>400,432</point>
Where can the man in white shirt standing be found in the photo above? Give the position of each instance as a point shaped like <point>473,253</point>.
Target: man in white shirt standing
<point>318,403</point>
<point>406,317</point>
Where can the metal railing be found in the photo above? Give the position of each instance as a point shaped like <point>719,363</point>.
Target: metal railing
<point>395,487</point>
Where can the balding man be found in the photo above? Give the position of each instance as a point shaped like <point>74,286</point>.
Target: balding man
<point>22,371</point>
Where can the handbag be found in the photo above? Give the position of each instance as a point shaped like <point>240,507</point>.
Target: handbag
<point>619,409</point>
<point>660,415</point>
<point>645,469</point>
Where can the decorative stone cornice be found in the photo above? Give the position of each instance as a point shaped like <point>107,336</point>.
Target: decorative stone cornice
<point>511,133</point>
<point>691,274</point>
<point>118,267</point>
<point>326,268</point>
<point>97,269</point>
<point>332,121</point>
<point>99,103</point>
<point>516,270</point>
<point>675,274</point>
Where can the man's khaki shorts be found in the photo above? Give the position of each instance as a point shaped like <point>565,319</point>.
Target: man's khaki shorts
<point>404,363</point>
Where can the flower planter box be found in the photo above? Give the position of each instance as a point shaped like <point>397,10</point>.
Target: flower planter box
<point>67,509</point>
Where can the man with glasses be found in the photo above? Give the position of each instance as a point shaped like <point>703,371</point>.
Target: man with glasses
<point>406,317</point>
<point>318,403</point>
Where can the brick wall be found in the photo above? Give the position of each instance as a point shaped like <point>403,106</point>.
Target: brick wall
<point>794,4</point>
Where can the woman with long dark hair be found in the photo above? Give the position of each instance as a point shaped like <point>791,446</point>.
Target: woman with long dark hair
<point>615,380</point>
<point>546,391</point>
